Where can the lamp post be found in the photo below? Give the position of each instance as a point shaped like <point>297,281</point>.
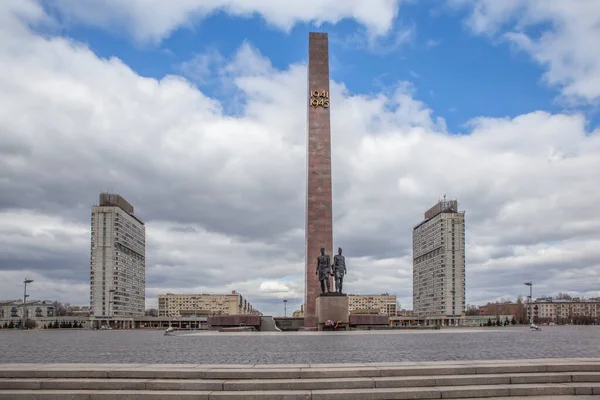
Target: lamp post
<point>530,284</point>
<point>23,318</point>
<point>285,308</point>
<point>196,312</point>
<point>110,295</point>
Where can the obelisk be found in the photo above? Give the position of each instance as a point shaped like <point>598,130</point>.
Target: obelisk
<point>319,217</point>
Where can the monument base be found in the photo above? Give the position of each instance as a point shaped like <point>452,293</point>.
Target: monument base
<point>333,307</point>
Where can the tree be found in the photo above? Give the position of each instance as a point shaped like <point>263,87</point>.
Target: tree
<point>30,324</point>
<point>519,299</point>
<point>60,309</point>
<point>153,312</point>
<point>472,310</point>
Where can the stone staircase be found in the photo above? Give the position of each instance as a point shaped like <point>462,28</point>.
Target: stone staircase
<point>361,381</point>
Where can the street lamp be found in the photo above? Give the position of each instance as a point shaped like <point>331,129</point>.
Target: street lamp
<point>25,296</point>
<point>196,312</point>
<point>110,292</point>
<point>530,284</point>
<point>285,308</point>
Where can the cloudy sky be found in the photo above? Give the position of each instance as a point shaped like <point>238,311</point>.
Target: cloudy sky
<point>195,112</point>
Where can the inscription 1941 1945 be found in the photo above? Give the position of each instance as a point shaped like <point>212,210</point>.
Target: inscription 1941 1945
<point>319,98</point>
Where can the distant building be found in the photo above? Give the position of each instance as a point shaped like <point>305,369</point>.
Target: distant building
<point>34,309</point>
<point>516,310</point>
<point>385,304</point>
<point>178,305</point>
<point>299,313</point>
<point>439,264</point>
<point>574,311</point>
<point>118,259</point>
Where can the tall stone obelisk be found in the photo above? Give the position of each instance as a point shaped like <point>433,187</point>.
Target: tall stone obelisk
<point>319,217</point>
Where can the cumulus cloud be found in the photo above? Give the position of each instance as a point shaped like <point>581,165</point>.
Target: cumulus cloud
<point>223,195</point>
<point>561,35</point>
<point>153,20</point>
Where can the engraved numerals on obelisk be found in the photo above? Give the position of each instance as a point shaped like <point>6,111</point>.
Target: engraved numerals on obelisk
<point>319,98</point>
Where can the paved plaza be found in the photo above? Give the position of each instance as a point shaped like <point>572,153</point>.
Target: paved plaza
<point>139,346</point>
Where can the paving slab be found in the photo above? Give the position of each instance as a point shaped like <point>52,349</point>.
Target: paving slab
<point>539,398</point>
<point>508,369</point>
<point>574,367</point>
<point>546,377</point>
<point>298,384</point>
<point>184,384</point>
<point>339,372</point>
<point>262,395</point>
<point>377,394</point>
<point>343,365</point>
<point>273,366</point>
<point>403,381</point>
<point>263,373</point>
<point>470,380</point>
<point>100,395</point>
<point>20,384</point>
<point>144,395</point>
<point>44,395</point>
<point>586,388</point>
<point>93,384</point>
<point>53,373</point>
<point>430,370</point>
<point>157,373</point>
<point>472,391</point>
<point>585,376</point>
<point>548,389</point>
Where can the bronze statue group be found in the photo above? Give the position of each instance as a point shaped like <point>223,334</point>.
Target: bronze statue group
<point>325,269</point>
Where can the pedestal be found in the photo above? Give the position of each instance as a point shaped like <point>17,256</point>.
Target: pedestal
<point>334,307</point>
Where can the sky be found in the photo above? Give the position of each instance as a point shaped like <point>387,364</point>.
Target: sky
<point>195,112</point>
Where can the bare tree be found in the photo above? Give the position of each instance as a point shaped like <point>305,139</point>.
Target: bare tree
<point>152,312</point>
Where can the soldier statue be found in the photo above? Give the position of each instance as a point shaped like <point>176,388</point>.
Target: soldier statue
<point>339,270</point>
<point>323,270</point>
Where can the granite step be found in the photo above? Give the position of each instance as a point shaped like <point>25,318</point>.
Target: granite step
<point>456,392</point>
<point>265,372</point>
<point>294,384</point>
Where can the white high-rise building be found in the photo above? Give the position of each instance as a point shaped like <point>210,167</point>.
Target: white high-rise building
<point>118,259</point>
<point>439,264</point>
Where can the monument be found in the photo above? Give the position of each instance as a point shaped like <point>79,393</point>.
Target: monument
<point>339,270</point>
<point>321,304</point>
<point>319,217</point>
<point>323,271</point>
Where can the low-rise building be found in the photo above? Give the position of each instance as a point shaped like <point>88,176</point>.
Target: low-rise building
<point>385,304</point>
<point>205,304</point>
<point>13,309</point>
<point>516,310</point>
<point>574,311</point>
